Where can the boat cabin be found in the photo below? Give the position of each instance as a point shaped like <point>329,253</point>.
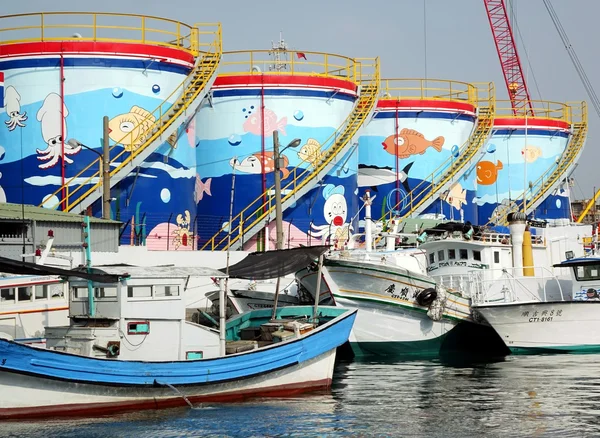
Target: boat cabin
<point>141,317</point>
<point>585,272</point>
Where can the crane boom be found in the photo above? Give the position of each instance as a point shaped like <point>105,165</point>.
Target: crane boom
<point>509,58</point>
<point>588,207</point>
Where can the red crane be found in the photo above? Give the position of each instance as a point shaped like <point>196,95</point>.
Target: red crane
<point>509,58</point>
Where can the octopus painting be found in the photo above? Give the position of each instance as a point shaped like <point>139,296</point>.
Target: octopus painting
<point>54,131</point>
<point>12,104</point>
<point>335,212</point>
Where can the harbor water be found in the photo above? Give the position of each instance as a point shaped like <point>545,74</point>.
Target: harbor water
<point>515,396</point>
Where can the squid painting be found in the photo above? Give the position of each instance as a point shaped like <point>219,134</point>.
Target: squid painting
<point>12,104</point>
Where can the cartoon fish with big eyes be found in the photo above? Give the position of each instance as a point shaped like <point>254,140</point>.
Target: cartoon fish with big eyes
<point>311,152</point>
<point>131,129</point>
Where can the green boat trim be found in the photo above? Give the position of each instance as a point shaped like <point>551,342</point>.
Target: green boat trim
<point>565,349</point>
<point>410,349</point>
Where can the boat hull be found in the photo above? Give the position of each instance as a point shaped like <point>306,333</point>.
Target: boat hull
<point>387,323</point>
<point>39,383</point>
<point>535,327</point>
<point>35,397</point>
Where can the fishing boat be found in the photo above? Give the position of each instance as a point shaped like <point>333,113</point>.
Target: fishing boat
<point>401,310</point>
<point>548,318</point>
<point>128,347</point>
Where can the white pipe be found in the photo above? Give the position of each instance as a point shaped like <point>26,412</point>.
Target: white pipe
<point>368,235</point>
<point>517,228</point>
<point>222,323</point>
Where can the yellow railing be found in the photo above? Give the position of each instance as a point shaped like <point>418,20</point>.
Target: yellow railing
<point>367,71</point>
<point>292,62</point>
<point>429,89</point>
<point>576,113</point>
<point>153,124</point>
<point>430,185</point>
<point>98,27</point>
<point>542,110</point>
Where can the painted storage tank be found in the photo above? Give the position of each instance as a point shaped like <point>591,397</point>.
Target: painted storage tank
<point>521,153</point>
<point>419,124</point>
<point>302,95</point>
<point>62,79</point>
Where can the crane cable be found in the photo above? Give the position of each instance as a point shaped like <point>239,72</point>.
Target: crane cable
<point>571,51</point>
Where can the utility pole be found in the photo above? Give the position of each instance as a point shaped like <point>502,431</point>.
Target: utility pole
<point>105,170</point>
<point>278,213</point>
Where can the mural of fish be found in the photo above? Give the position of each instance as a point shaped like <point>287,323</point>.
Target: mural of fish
<point>311,152</point>
<point>201,188</point>
<point>487,172</point>
<point>456,196</point>
<point>373,176</point>
<point>253,123</point>
<point>253,164</point>
<point>531,153</point>
<point>137,123</point>
<point>410,142</point>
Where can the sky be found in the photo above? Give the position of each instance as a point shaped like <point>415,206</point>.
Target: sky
<point>441,39</point>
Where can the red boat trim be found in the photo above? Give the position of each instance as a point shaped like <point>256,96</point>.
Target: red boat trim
<point>89,409</point>
<point>267,80</point>
<point>20,312</point>
<point>431,104</point>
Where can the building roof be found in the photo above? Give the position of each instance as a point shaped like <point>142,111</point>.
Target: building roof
<point>33,213</point>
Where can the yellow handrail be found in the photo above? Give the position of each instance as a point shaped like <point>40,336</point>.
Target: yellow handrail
<point>428,89</point>
<point>301,63</point>
<point>97,27</point>
<point>542,109</point>
<point>444,172</point>
<point>152,126</point>
<point>365,69</point>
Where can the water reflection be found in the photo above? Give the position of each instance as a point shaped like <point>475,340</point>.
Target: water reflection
<point>512,396</point>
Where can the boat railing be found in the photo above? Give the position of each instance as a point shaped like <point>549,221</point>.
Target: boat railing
<point>509,285</point>
<point>458,283</point>
<point>486,237</point>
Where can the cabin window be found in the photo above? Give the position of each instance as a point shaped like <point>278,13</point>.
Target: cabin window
<point>41,292</point>
<point>586,273</point>
<point>463,253</point>
<point>7,294</point>
<point>432,258</point>
<point>24,293</point>
<point>441,256</point>
<point>80,292</point>
<point>138,328</point>
<point>194,355</point>
<point>166,291</point>
<point>139,291</point>
<point>496,256</point>
<point>477,255</point>
<point>105,292</point>
<point>451,254</point>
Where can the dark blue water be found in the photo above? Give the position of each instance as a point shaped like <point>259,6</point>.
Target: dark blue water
<point>519,396</point>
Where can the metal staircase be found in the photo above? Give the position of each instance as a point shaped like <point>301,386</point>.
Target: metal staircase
<point>554,176</point>
<point>257,215</point>
<point>440,180</point>
<point>154,130</point>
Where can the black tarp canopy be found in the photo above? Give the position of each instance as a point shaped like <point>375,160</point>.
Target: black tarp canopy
<point>273,264</point>
<point>11,266</point>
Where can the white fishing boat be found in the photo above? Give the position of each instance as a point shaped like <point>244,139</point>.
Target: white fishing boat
<point>401,310</point>
<point>129,347</point>
<point>533,314</point>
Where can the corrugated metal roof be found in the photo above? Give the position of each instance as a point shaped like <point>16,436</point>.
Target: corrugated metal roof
<point>15,211</point>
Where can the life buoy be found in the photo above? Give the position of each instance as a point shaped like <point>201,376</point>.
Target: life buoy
<point>426,297</point>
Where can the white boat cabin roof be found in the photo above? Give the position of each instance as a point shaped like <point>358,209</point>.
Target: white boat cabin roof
<point>160,271</point>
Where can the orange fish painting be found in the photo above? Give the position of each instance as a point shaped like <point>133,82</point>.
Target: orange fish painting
<point>487,172</point>
<point>253,164</point>
<point>410,142</point>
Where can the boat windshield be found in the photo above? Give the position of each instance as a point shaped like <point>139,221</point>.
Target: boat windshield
<point>587,272</point>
